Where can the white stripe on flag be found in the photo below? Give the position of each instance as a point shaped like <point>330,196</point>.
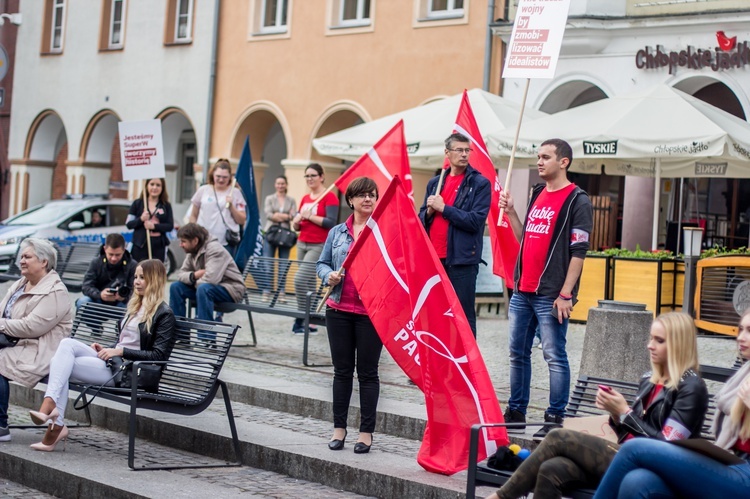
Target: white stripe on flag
<point>372,224</point>
<point>480,147</point>
<point>379,163</point>
<point>431,283</point>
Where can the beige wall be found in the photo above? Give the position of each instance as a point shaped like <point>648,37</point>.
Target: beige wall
<point>315,80</point>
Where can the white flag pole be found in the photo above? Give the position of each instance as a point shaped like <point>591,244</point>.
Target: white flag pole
<point>515,145</point>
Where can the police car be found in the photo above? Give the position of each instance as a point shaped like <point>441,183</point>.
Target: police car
<point>88,218</point>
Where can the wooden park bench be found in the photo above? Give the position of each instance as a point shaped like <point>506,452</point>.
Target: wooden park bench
<point>73,259</point>
<point>188,384</point>
<point>273,276</point>
<point>581,403</point>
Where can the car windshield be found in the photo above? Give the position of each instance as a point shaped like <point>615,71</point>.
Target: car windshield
<point>45,213</point>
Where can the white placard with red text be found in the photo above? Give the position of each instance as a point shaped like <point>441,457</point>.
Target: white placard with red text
<point>141,149</point>
<point>535,43</point>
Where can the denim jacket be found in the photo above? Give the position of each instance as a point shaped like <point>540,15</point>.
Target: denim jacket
<point>334,253</point>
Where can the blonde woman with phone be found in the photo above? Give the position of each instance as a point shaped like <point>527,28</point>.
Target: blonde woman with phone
<point>663,470</point>
<point>671,404</point>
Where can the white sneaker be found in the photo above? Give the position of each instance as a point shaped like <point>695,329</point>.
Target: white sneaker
<point>4,434</point>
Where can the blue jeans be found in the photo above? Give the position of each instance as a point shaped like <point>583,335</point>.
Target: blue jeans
<point>205,295</point>
<point>270,251</point>
<point>464,280</point>
<point>525,312</point>
<point>4,401</point>
<point>646,467</point>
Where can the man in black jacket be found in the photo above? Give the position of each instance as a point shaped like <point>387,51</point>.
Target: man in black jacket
<point>554,239</point>
<point>109,279</point>
<point>454,219</point>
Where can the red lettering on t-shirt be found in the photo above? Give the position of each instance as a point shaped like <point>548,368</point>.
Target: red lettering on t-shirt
<point>439,227</point>
<point>540,225</point>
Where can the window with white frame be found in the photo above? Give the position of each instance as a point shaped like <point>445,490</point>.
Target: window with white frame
<point>58,26</point>
<point>116,24</point>
<point>273,16</point>
<point>445,8</point>
<point>354,12</point>
<point>183,21</point>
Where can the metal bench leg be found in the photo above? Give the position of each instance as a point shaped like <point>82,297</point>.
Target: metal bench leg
<point>232,425</point>
<point>471,478</point>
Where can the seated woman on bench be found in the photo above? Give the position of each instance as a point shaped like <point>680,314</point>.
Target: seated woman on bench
<point>671,404</point>
<point>146,333</point>
<point>658,469</point>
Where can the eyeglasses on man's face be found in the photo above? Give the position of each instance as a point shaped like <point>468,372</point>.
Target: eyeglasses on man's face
<point>312,176</point>
<point>461,150</point>
<point>365,195</point>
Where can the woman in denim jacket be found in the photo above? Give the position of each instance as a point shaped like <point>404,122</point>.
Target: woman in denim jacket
<point>351,335</point>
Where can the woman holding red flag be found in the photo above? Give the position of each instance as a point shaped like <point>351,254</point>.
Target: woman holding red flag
<point>318,212</point>
<point>351,335</point>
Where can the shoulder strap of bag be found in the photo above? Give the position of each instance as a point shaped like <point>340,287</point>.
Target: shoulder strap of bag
<point>216,198</point>
<point>124,366</point>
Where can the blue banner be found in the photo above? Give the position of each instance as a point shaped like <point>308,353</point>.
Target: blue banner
<point>252,238</point>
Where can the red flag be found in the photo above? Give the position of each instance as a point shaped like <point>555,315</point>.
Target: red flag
<point>385,160</point>
<point>417,314</point>
<point>505,246</point>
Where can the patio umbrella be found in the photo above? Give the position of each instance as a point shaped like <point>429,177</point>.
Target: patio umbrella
<point>426,127</point>
<point>657,132</point>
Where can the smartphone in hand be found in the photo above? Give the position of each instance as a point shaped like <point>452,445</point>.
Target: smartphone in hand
<point>605,388</point>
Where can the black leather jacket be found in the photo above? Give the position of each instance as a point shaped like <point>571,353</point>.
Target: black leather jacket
<point>678,412</point>
<point>155,344</point>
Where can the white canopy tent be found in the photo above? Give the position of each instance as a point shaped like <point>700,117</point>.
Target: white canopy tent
<point>658,132</point>
<point>426,128</point>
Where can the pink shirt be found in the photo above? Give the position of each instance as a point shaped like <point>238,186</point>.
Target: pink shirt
<point>349,301</point>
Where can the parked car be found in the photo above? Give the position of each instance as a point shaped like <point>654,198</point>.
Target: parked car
<point>88,218</point>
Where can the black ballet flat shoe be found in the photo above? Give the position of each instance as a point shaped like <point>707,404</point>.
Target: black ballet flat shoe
<point>362,448</point>
<point>337,444</point>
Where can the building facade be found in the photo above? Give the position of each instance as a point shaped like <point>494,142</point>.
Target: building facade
<point>614,47</point>
<point>84,66</point>
<point>290,71</point>
<point>8,32</point>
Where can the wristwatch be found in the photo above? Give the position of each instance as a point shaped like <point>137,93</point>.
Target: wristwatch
<point>623,416</point>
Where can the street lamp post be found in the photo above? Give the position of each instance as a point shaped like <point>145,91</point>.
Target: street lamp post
<point>693,238</point>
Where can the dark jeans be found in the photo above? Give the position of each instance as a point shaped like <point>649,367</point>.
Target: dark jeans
<point>564,459</point>
<point>205,296</point>
<point>464,280</point>
<point>353,341</point>
<point>267,282</point>
<point>4,401</point>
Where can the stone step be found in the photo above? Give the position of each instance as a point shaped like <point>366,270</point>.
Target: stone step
<point>93,464</point>
<point>274,441</point>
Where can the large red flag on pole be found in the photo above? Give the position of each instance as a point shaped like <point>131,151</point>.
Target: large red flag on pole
<point>386,159</point>
<point>505,246</point>
<point>417,314</point>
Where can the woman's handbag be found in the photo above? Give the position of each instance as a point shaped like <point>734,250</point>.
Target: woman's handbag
<point>277,235</point>
<point>148,379</point>
<point>7,341</point>
<point>148,374</point>
<point>233,237</point>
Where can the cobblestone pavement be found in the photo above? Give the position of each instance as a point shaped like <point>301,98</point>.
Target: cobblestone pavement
<point>112,447</point>
<point>279,354</point>
<point>14,490</point>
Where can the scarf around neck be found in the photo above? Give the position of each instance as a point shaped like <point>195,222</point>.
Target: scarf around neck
<point>725,430</point>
